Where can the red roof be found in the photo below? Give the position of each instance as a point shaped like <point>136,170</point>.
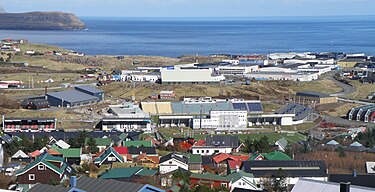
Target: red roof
<point>200,143</point>
<point>121,150</point>
<point>53,152</point>
<point>234,164</point>
<point>185,145</point>
<point>35,153</point>
<point>224,157</point>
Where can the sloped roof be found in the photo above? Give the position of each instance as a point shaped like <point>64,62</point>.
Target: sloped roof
<point>103,185</point>
<point>209,176</point>
<point>323,186</point>
<point>101,141</point>
<point>276,156</point>
<point>332,142</point>
<point>48,188</point>
<point>90,89</point>
<point>195,158</point>
<point>139,150</point>
<point>62,144</point>
<point>238,175</point>
<point>233,164</point>
<point>223,140</point>
<point>105,155</point>
<point>35,153</point>
<point>45,159</point>
<point>154,159</point>
<point>365,180</point>
<point>282,142</point>
<point>20,154</point>
<point>121,150</point>
<point>291,168</point>
<point>356,144</point>
<point>121,173</point>
<point>72,96</point>
<point>181,158</point>
<point>68,153</point>
<point>138,143</point>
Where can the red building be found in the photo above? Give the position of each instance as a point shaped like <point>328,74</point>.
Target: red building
<point>167,95</point>
<point>209,179</point>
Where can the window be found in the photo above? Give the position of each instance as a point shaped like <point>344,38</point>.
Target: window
<point>207,151</point>
<point>223,185</point>
<point>41,167</point>
<point>111,158</point>
<point>31,177</point>
<point>170,162</point>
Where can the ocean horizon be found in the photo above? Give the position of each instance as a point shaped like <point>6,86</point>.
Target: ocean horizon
<point>173,37</point>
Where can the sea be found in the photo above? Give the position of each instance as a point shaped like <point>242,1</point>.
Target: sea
<point>174,37</point>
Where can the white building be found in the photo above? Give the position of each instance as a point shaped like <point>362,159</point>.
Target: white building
<point>273,119</point>
<point>231,61</point>
<point>190,75</point>
<point>172,162</point>
<point>210,150</point>
<point>222,119</point>
<point>265,75</point>
<point>126,118</point>
<point>236,69</point>
<point>316,61</point>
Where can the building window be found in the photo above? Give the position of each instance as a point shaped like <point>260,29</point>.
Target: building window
<point>31,177</point>
<point>170,162</point>
<point>223,185</point>
<point>207,151</point>
<point>41,167</point>
<point>111,158</point>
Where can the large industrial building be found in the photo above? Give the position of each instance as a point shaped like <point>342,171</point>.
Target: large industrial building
<point>126,118</point>
<point>190,75</point>
<point>363,113</point>
<point>80,96</point>
<point>289,76</point>
<point>301,113</point>
<point>221,120</point>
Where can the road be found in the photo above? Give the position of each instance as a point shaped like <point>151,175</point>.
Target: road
<point>345,122</point>
<point>346,89</point>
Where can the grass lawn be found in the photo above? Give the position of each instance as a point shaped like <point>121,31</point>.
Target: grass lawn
<point>363,90</point>
<point>323,86</point>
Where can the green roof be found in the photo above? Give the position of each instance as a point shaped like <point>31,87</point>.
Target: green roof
<point>283,142</point>
<point>101,141</point>
<point>68,153</point>
<point>106,153</point>
<point>209,176</point>
<point>195,158</point>
<point>272,156</point>
<point>118,173</point>
<point>46,159</point>
<point>238,175</point>
<point>137,143</point>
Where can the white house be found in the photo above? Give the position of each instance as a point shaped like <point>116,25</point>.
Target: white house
<point>172,162</point>
<point>242,180</point>
<point>210,150</point>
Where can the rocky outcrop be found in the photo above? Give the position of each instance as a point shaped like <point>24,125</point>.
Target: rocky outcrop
<point>40,21</point>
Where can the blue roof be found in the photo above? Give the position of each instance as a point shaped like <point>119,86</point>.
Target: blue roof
<point>72,96</point>
<point>90,89</point>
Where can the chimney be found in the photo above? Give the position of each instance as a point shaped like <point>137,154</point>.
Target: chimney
<point>237,168</point>
<point>354,173</point>
<point>345,187</point>
<point>73,181</point>
<point>45,90</point>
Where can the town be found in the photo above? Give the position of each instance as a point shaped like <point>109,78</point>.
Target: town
<point>221,122</point>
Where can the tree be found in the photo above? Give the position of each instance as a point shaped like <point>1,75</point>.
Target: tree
<point>91,146</point>
<point>178,176</point>
<point>262,145</point>
<point>279,182</point>
<point>53,181</point>
<point>79,141</point>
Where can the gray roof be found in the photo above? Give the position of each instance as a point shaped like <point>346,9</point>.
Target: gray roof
<point>195,108</point>
<point>104,185</point>
<point>47,188</point>
<point>322,186</point>
<point>300,111</point>
<point>72,96</point>
<point>90,89</point>
<point>312,94</point>
<point>223,140</point>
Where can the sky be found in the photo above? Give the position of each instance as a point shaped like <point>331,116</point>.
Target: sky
<point>195,8</point>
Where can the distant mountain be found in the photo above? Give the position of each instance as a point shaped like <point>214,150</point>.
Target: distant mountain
<point>40,21</point>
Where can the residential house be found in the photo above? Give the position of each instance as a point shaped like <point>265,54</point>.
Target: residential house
<point>224,141</point>
<point>153,141</point>
<point>272,156</point>
<point>293,169</point>
<point>322,186</point>
<point>71,155</point>
<point>135,151</point>
<point>101,143</point>
<point>237,180</point>
<point>195,163</point>
<point>141,143</point>
<point>222,159</point>
<point>123,151</point>
<point>282,144</point>
<point>21,156</point>
<point>147,161</point>
<point>108,156</point>
<point>4,139</point>
<point>35,104</point>
<point>44,169</point>
<point>87,184</point>
<point>172,162</point>
<point>128,174</point>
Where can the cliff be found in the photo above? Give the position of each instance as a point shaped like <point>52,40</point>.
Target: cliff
<point>40,21</point>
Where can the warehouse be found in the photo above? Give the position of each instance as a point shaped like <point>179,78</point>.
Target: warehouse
<point>289,76</point>
<point>91,91</point>
<point>314,97</point>
<point>71,98</point>
<point>190,75</point>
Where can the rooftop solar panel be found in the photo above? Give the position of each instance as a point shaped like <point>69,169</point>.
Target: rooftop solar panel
<point>255,107</point>
<point>240,106</point>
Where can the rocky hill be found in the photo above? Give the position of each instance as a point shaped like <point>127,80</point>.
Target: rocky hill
<point>40,21</point>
